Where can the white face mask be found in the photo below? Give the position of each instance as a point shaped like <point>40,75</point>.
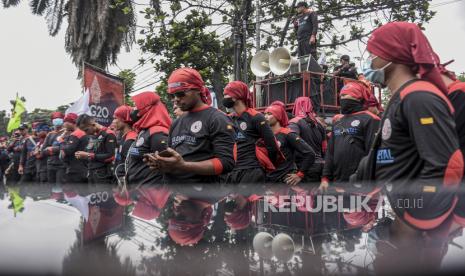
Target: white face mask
<point>376,76</point>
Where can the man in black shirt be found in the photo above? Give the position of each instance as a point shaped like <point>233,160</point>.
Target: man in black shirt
<point>251,126</point>
<point>74,140</point>
<point>14,149</point>
<point>346,69</point>
<point>51,150</point>
<point>100,150</point>
<point>306,27</point>
<point>201,141</point>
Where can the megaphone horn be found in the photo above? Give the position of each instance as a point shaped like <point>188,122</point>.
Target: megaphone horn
<point>259,64</point>
<point>281,61</point>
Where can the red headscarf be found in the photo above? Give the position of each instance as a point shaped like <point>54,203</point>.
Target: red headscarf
<point>411,48</point>
<point>123,113</point>
<point>188,79</point>
<point>71,118</point>
<point>56,115</point>
<point>239,91</point>
<point>278,110</point>
<point>152,112</point>
<point>151,201</point>
<point>356,90</point>
<point>188,233</point>
<point>303,108</point>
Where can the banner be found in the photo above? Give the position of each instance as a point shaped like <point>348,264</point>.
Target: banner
<point>106,93</point>
<point>15,119</point>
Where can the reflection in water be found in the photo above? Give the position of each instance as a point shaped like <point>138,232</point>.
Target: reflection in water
<point>52,235</point>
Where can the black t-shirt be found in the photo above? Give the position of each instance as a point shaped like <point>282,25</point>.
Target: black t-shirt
<point>290,144</point>
<point>314,134</point>
<point>15,148</point>
<point>121,154</point>
<point>146,142</point>
<point>202,135</point>
<point>306,25</point>
<point>350,141</point>
<point>349,72</point>
<point>417,157</point>
<point>76,141</point>
<point>251,126</point>
<point>102,150</point>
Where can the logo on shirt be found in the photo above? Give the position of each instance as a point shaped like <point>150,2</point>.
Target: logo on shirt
<point>387,130</point>
<point>243,125</point>
<point>196,126</point>
<point>355,123</point>
<point>140,142</point>
<point>384,156</point>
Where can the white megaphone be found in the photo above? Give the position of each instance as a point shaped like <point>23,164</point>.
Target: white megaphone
<point>262,245</point>
<point>281,61</point>
<point>260,63</point>
<point>283,247</point>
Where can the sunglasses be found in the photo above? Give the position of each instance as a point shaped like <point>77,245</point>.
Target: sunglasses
<point>179,94</point>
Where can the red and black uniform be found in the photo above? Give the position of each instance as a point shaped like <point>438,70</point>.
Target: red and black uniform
<point>457,98</point>
<point>75,169</point>
<point>290,144</point>
<point>123,151</point>
<point>51,149</point>
<point>14,149</point>
<point>419,157</point>
<point>152,125</point>
<point>102,154</point>
<point>41,163</point>
<point>199,135</point>
<point>250,127</point>
<point>305,125</point>
<point>350,141</point>
<point>28,159</point>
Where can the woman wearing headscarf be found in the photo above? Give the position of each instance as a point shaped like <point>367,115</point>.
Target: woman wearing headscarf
<point>418,156</point>
<point>123,124</point>
<point>250,126</point>
<point>152,122</point>
<point>306,125</point>
<point>290,144</point>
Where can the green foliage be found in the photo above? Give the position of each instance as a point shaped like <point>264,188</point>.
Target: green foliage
<point>461,77</point>
<point>129,79</point>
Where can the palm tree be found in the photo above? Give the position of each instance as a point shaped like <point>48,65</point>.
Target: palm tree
<point>97,29</point>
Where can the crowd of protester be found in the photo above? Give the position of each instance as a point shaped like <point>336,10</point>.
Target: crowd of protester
<point>412,151</point>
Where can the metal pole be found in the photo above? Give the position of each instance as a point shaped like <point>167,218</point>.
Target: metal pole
<point>257,25</point>
<point>244,47</point>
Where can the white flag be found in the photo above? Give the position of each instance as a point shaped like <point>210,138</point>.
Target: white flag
<point>80,106</point>
<point>322,59</point>
<point>79,202</point>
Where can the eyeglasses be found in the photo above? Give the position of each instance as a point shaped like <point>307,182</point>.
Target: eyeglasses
<point>179,94</point>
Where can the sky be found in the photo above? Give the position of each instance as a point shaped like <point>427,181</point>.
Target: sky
<point>37,67</point>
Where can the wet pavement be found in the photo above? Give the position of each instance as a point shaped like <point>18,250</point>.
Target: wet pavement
<point>44,230</point>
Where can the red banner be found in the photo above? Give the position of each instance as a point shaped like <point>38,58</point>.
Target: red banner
<point>106,93</point>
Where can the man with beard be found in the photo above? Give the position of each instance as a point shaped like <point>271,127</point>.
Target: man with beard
<point>201,141</point>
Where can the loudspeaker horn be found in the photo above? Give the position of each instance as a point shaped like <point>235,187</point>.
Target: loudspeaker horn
<point>260,63</point>
<point>281,61</point>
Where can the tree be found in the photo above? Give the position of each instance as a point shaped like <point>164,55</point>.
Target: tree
<point>204,34</point>
<point>3,123</point>
<point>461,77</point>
<point>129,78</point>
<point>97,29</point>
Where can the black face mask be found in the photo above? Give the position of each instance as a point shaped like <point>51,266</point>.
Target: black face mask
<point>228,102</point>
<point>134,116</point>
<point>349,106</point>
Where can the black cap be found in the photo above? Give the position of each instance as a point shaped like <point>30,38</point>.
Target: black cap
<point>345,57</point>
<point>302,4</point>
<point>23,127</point>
